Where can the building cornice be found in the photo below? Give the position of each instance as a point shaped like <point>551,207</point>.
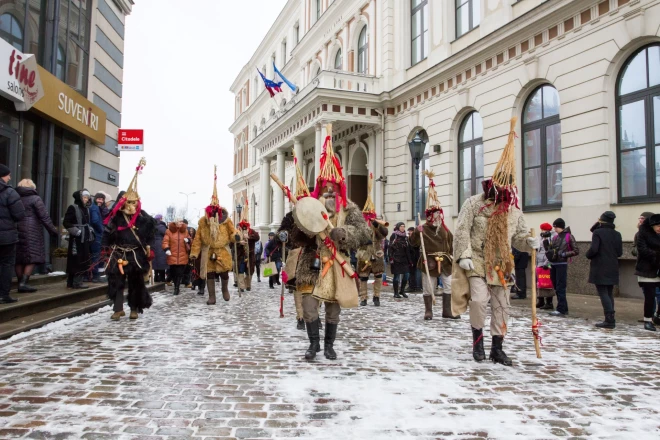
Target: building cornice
<point>125,6</point>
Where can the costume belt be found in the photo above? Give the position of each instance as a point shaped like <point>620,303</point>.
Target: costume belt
<point>123,250</point>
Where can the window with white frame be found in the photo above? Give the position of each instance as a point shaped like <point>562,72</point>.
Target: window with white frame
<point>470,157</point>
<point>363,51</point>
<point>419,30</point>
<point>338,60</point>
<point>468,16</point>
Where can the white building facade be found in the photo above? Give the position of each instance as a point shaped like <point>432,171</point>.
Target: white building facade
<point>582,77</point>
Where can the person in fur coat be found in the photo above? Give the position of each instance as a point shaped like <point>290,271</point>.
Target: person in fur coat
<point>126,237</point>
<point>246,258</point>
<point>215,234</point>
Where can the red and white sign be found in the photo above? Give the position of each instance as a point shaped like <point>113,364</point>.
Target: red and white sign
<point>20,74</point>
<point>130,139</point>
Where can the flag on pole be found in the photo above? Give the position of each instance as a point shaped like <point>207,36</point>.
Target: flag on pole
<point>291,85</point>
<point>272,86</point>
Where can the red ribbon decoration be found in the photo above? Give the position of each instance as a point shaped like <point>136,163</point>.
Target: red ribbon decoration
<point>535,332</point>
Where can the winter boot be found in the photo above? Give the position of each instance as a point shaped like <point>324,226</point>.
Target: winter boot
<point>378,285</point>
<point>478,352</point>
<point>134,314</point>
<point>115,316</point>
<point>446,307</point>
<point>497,355</point>
<point>24,287</point>
<point>540,302</point>
<point>363,292</point>
<point>609,321</point>
<point>548,304</point>
<point>301,324</point>
<point>77,283</point>
<point>396,289</point>
<point>377,301</point>
<point>656,319</point>
<point>177,287</point>
<point>211,286</point>
<point>330,335</point>
<point>248,282</point>
<point>648,325</point>
<point>202,285</point>
<point>225,289</point>
<point>241,282</point>
<point>402,291</point>
<point>314,339</point>
<point>428,307</point>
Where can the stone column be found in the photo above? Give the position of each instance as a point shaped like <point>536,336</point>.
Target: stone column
<point>298,149</point>
<point>318,149</point>
<point>278,207</point>
<point>265,201</point>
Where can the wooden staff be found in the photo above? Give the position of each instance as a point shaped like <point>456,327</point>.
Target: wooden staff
<point>238,283</point>
<point>535,327</point>
<point>347,267</point>
<point>282,270</point>
<point>426,264</point>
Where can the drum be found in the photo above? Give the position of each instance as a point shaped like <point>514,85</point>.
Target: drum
<point>308,213</point>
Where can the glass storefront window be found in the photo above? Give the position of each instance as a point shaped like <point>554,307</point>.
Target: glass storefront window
<point>23,25</point>
<point>30,152</point>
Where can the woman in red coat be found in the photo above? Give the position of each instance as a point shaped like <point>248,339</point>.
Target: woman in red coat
<point>176,245</point>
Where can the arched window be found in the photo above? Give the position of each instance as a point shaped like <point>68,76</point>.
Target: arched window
<point>59,69</point>
<point>11,30</point>
<point>363,51</point>
<point>470,157</point>
<point>638,126</point>
<point>338,60</point>
<point>254,132</point>
<point>541,151</point>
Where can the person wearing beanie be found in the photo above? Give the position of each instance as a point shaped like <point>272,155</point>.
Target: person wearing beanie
<point>647,267</point>
<point>544,294</point>
<point>159,263</point>
<point>12,211</point>
<point>604,252</point>
<point>77,220</point>
<point>559,251</point>
<point>99,200</point>
<point>400,259</point>
<point>643,216</point>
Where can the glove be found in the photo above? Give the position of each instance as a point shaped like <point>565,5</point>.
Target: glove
<point>562,254</point>
<point>237,238</point>
<point>374,223</point>
<point>152,255</point>
<point>466,264</point>
<point>338,234</point>
<point>533,242</point>
<point>168,253</point>
<point>420,228</point>
<point>192,257</point>
<point>186,240</point>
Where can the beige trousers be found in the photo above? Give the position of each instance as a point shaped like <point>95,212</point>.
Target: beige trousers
<point>297,299</point>
<point>481,293</point>
<point>364,288</point>
<point>311,307</point>
<point>429,283</point>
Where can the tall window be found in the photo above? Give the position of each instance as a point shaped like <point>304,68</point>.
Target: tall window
<point>422,191</point>
<point>74,25</point>
<point>419,30</point>
<point>296,34</point>
<point>59,69</point>
<point>338,60</point>
<point>318,9</point>
<point>11,31</point>
<point>470,157</point>
<point>363,51</point>
<point>468,15</point>
<point>283,53</point>
<point>638,126</point>
<point>542,178</point>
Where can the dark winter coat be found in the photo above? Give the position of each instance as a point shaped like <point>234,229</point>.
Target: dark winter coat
<point>606,248</point>
<point>79,261</point>
<point>253,238</point>
<point>96,221</point>
<point>30,249</point>
<point>520,259</point>
<point>11,212</point>
<point>559,250</point>
<point>274,250</point>
<point>648,251</point>
<point>399,253</point>
<point>160,261</point>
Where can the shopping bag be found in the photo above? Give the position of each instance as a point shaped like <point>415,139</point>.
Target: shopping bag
<point>543,280</point>
<point>346,292</point>
<point>270,269</point>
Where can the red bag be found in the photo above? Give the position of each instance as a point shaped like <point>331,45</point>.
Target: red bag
<point>543,280</point>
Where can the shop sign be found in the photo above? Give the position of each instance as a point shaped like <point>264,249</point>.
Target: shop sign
<point>20,81</point>
<point>130,139</point>
<point>70,109</point>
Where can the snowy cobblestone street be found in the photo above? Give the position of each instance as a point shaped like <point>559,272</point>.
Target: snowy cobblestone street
<point>236,370</point>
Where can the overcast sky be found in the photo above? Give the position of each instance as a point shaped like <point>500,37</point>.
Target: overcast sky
<point>179,64</point>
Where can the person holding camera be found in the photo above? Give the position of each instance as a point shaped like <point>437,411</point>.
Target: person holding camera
<point>545,292</point>
<point>560,250</point>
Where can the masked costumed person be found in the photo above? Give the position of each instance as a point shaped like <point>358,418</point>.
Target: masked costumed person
<point>126,237</point>
<point>245,251</point>
<point>438,244</point>
<point>215,233</point>
<point>370,256</point>
<point>489,224</point>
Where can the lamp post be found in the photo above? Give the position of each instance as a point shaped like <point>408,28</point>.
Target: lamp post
<point>187,194</point>
<point>239,209</point>
<point>416,146</point>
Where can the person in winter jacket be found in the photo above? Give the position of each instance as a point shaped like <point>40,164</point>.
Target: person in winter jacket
<point>11,212</point>
<point>544,296</point>
<point>415,277</point>
<point>30,249</point>
<point>258,252</point>
<point>273,253</point>
<point>400,259</point>
<point>606,248</point>
<point>647,268</point>
<point>176,245</point>
<point>99,200</point>
<point>81,235</point>
<point>559,251</point>
<point>643,216</point>
<point>160,261</point>
<point>96,221</point>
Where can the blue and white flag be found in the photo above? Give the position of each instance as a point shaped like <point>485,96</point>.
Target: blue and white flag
<point>291,85</point>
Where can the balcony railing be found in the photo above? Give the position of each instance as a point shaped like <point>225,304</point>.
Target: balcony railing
<point>351,82</point>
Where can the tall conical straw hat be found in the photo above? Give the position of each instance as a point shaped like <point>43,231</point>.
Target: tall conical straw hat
<point>369,210</point>
<point>432,202</point>
<point>132,190</point>
<point>331,172</point>
<point>301,186</point>
<point>504,175</point>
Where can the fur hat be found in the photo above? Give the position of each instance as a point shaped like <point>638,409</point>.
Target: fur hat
<point>546,227</point>
<point>559,223</point>
<point>99,195</point>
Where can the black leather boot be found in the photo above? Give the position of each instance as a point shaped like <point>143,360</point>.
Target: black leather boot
<point>478,352</point>
<point>300,325</point>
<point>402,291</point>
<point>377,301</point>
<point>24,287</point>
<point>329,341</point>
<point>320,324</point>
<point>396,289</point>
<point>497,355</point>
<point>202,285</point>
<point>428,308</point>
<point>314,339</point>
<point>363,302</point>
<point>609,321</point>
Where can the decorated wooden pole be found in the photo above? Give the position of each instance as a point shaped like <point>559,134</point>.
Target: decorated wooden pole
<point>426,264</point>
<point>535,322</point>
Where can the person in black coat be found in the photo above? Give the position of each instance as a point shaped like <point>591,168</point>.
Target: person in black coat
<point>520,262</point>
<point>160,261</point>
<point>81,235</point>
<point>415,277</point>
<point>647,268</point>
<point>400,259</point>
<point>606,248</point>
<point>11,212</point>
<point>30,249</point>
<point>273,253</point>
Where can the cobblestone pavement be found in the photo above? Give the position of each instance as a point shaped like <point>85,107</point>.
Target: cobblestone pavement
<point>236,370</point>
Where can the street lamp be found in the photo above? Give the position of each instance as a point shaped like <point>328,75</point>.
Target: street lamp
<point>187,194</point>
<point>239,209</point>
<point>416,146</point>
